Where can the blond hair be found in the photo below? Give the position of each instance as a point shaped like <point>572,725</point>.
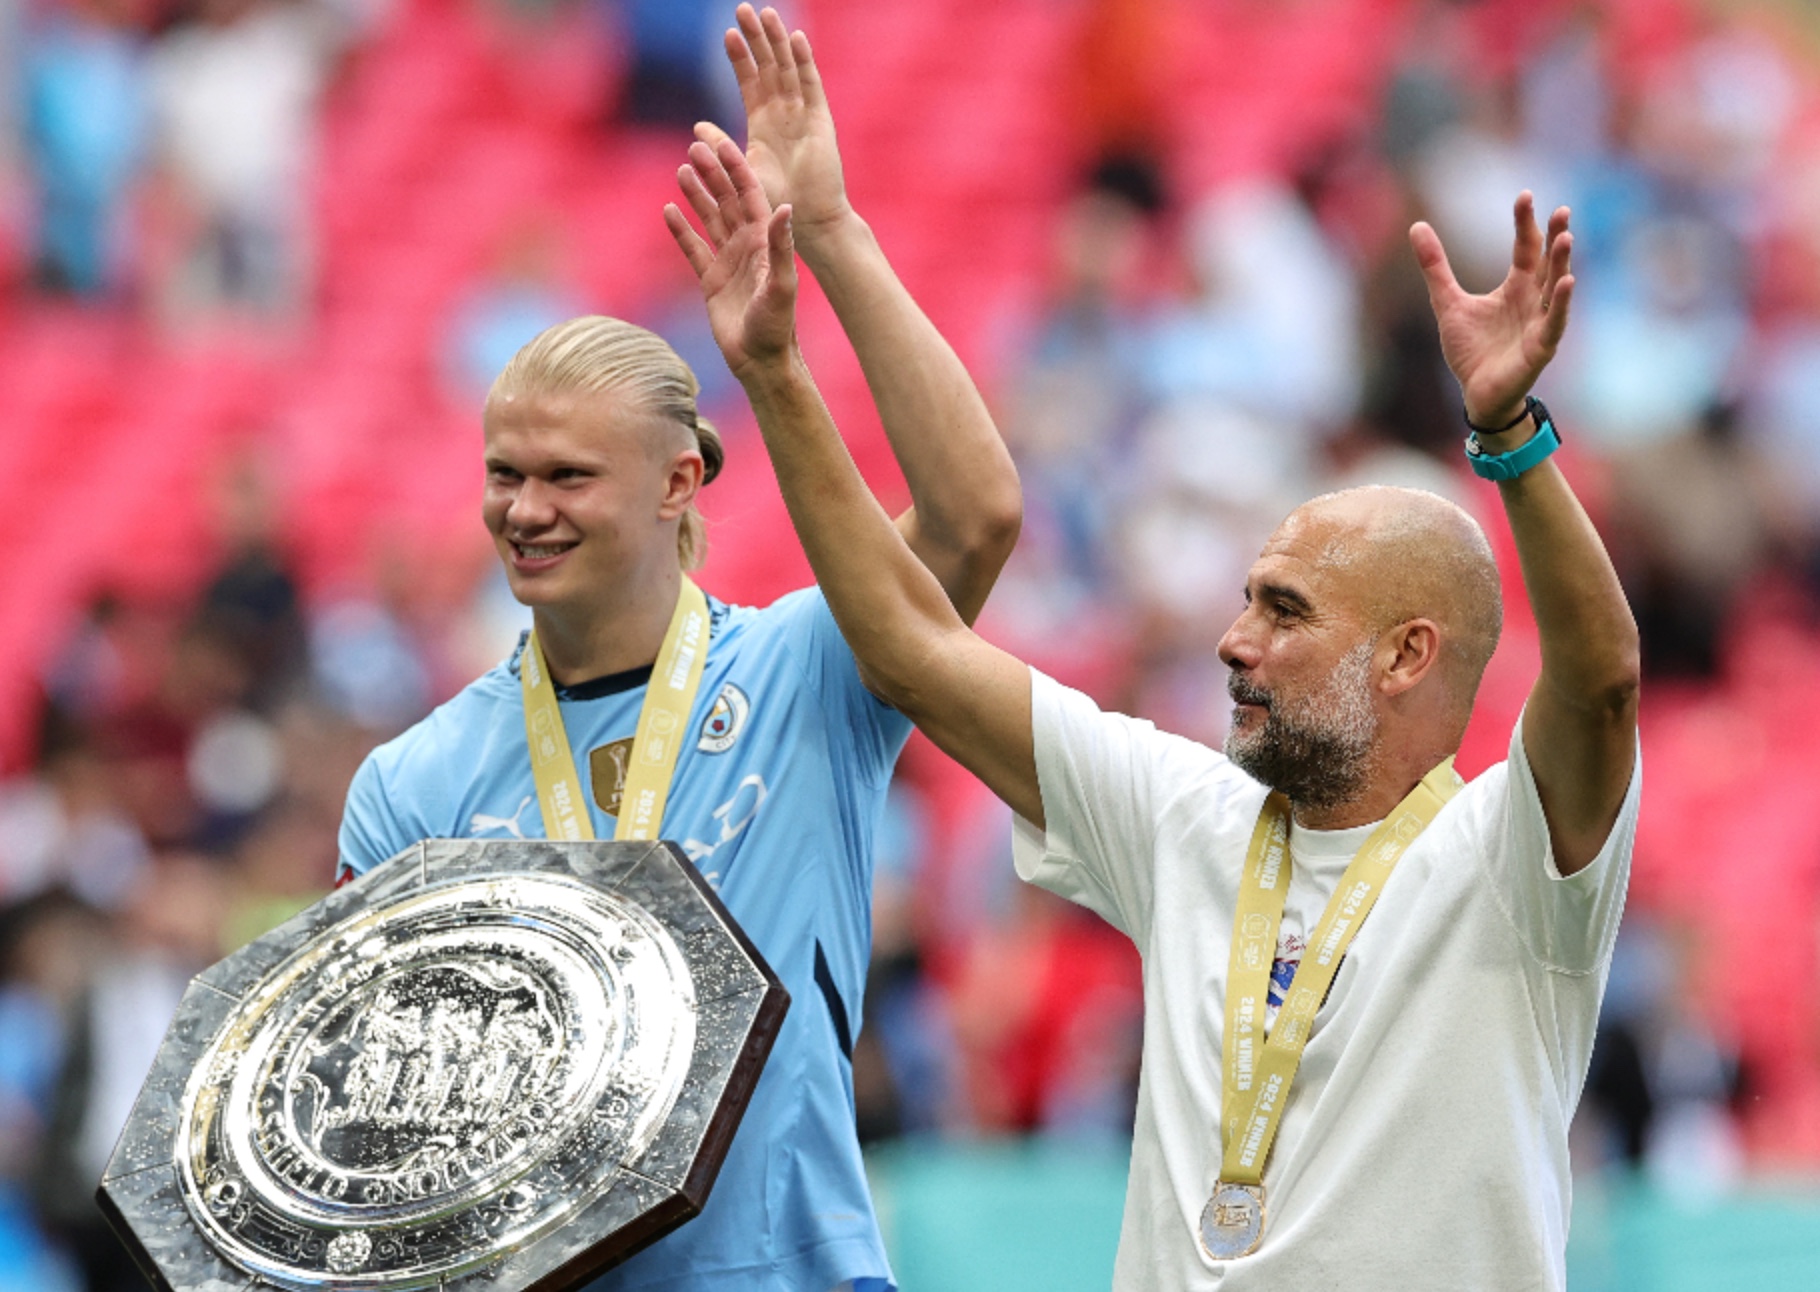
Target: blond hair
<point>595,353</point>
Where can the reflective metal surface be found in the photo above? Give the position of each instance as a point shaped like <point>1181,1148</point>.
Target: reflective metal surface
<point>519,1077</point>
<point>1232,1222</point>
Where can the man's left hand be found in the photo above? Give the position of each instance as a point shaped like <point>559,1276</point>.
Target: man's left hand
<point>1497,344</point>
<point>789,129</point>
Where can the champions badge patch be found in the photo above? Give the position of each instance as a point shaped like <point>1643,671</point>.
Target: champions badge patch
<point>724,721</point>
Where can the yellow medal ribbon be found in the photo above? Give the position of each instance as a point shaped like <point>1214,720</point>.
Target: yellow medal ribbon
<point>1258,1072</point>
<point>662,725</point>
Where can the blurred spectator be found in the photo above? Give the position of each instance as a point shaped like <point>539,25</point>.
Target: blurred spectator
<point>520,296</point>
<point>1423,94</point>
<point>1076,403</point>
<point>1206,521</point>
<point>1469,174</point>
<point>45,944</point>
<point>677,67</point>
<point>148,745</point>
<point>1566,94</point>
<point>13,202</point>
<point>235,93</point>
<point>252,599</point>
<point>1661,1082</point>
<point>1694,516</point>
<point>1049,1015</point>
<point>1275,326</point>
<point>367,667</point>
<point>1408,402</point>
<point>130,986</point>
<point>62,828</point>
<point>12,80</point>
<point>1661,330</point>
<point>904,1060</point>
<point>279,868</point>
<point>85,91</point>
<point>91,674</point>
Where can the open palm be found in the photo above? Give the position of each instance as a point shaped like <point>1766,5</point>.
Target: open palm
<point>1497,344</point>
<point>746,264</point>
<point>790,141</point>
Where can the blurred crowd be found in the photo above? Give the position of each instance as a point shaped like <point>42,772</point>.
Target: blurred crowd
<point>1210,357</point>
<point>1203,351</point>
<point>166,148</point>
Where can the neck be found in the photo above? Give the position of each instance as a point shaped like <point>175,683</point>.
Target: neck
<point>1373,803</point>
<point>581,643</point>
<point>1370,806</point>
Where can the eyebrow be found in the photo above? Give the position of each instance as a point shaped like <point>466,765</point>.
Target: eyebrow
<point>493,463</point>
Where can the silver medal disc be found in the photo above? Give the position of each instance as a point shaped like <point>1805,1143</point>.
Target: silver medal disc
<point>1232,1223</point>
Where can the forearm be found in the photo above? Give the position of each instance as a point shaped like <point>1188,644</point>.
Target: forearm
<point>969,697</point>
<point>1588,635</point>
<point>967,506</point>
<point>888,604</point>
<point>1580,726</point>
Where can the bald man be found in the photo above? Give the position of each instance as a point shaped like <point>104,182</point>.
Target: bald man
<point>1370,990</point>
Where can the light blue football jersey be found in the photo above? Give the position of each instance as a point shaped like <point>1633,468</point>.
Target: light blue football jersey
<point>776,798</point>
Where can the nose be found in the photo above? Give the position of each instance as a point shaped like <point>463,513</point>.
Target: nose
<point>531,508</point>
<point>1238,649</point>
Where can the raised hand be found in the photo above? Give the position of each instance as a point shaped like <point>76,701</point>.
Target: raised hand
<point>1497,344</point>
<point>789,130</point>
<point>747,262</point>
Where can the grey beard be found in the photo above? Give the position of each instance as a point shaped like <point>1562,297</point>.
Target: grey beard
<point>1318,752</point>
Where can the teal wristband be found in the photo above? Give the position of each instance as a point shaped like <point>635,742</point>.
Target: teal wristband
<point>1508,466</point>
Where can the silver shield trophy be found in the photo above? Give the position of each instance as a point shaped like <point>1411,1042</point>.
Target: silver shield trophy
<point>484,1065</point>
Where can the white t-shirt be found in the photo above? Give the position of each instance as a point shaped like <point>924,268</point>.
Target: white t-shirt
<point>1424,1145</point>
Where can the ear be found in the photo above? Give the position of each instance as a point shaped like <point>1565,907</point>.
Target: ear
<point>682,481</point>
<point>1407,654</point>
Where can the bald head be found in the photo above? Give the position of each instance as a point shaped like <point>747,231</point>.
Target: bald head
<point>1403,554</point>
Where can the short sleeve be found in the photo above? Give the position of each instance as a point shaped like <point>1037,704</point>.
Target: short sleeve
<point>1567,923</point>
<point>370,829</point>
<point>876,732</point>
<point>1104,778</point>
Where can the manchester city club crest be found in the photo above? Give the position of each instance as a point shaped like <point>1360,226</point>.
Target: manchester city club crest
<point>724,721</point>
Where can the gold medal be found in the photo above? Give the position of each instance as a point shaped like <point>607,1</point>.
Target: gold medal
<point>1232,1222</point>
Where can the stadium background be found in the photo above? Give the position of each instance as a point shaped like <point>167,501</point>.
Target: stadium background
<point>258,259</point>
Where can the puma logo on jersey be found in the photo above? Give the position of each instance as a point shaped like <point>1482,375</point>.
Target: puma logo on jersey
<point>480,822</point>
<point>724,721</point>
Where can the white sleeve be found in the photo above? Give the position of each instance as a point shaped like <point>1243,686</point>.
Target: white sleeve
<point>1567,923</point>
<point>1102,781</point>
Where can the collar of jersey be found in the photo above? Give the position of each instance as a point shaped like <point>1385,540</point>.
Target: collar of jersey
<point>629,679</point>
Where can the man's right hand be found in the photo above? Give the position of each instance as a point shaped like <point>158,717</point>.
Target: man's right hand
<point>789,130</point>
<point>746,264</point>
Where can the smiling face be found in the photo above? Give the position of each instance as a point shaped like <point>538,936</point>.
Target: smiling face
<point>584,494</point>
<point>1305,719</point>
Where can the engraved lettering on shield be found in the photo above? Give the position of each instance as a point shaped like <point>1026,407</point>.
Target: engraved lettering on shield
<point>417,1064</point>
<point>418,1092</point>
